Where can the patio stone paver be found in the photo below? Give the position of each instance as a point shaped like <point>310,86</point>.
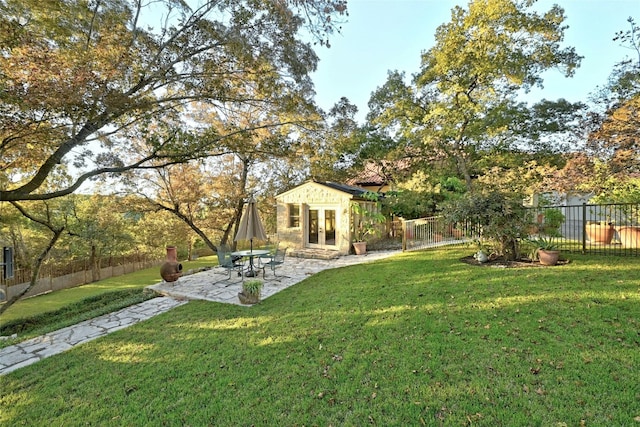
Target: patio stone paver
<point>209,285</point>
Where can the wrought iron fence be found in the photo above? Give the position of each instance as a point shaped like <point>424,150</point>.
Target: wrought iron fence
<point>432,232</point>
<point>607,229</point>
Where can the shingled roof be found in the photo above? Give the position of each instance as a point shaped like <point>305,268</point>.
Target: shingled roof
<point>345,188</point>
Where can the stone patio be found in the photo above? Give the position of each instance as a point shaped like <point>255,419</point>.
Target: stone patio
<point>213,285</point>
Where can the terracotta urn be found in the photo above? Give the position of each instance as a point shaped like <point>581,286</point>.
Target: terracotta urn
<point>629,236</point>
<point>171,269</point>
<point>548,257</point>
<point>360,248</point>
<point>600,233</point>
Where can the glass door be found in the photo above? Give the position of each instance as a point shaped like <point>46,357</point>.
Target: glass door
<point>321,227</point>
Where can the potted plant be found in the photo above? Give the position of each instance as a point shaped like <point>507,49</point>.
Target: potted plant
<point>250,292</point>
<point>548,253</point>
<point>367,222</point>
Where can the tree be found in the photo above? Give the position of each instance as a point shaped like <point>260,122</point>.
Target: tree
<point>332,148</point>
<point>463,99</point>
<point>615,135</point>
<point>80,79</point>
<point>500,217</point>
<point>105,87</point>
<point>98,228</point>
<point>53,217</point>
<point>209,195</point>
<point>204,200</point>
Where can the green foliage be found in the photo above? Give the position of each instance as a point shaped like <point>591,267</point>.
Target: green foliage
<point>553,219</point>
<point>368,217</point>
<point>499,218</point>
<point>617,190</point>
<point>523,179</point>
<point>624,190</point>
<point>461,103</point>
<point>252,287</point>
<point>421,195</point>
<point>545,243</point>
<point>453,185</point>
<point>331,152</point>
<point>410,204</point>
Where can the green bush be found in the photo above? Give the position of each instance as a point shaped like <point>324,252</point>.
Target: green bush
<point>498,218</point>
<point>553,219</point>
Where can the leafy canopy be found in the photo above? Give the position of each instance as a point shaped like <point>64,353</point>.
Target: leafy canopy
<point>462,100</point>
<point>104,86</point>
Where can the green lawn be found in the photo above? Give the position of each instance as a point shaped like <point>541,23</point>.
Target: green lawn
<point>44,313</point>
<point>417,339</point>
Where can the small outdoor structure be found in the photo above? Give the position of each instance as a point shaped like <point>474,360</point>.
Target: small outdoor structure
<point>318,215</point>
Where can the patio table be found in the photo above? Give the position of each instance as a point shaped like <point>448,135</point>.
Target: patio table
<point>251,254</point>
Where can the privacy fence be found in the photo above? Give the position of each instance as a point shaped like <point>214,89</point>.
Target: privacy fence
<point>607,229</point>
<point>56,276</point>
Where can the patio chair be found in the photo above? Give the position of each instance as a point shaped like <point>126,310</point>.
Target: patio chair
<point>272,248</point>
<point>225,261</point>
<point>276,261</point>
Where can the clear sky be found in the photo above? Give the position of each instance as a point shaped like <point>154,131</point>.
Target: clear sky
<point>382,35</point>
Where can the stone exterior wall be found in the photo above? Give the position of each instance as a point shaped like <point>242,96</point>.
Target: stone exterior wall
<point>315,195</point>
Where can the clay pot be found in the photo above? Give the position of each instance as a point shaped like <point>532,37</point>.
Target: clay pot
<point>172,254</point>
<point>598,233</point>
<point>360,248</point>
<point>171,270</point>
<point>548,257</point>
<point>629,236</point>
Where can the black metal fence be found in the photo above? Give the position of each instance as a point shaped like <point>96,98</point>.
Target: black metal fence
<point>608,229</point>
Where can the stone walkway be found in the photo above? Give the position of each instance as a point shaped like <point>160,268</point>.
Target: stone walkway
<point>209,285</point>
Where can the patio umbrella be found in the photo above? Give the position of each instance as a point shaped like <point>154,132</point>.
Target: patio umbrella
<point>250,225</point>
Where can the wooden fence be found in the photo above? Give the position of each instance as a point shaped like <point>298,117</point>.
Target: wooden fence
<point>54,277</point>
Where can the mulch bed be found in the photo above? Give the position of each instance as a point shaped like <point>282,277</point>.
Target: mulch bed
<point>500,262</point>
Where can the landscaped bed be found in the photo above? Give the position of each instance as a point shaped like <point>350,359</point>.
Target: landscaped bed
<point>417,339</point>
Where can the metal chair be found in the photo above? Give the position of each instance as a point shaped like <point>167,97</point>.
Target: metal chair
<point>272,248</point>
<point>226,262</point>
<point>277,260</point>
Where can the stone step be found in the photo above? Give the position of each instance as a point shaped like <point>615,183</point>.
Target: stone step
<point>313,253</point>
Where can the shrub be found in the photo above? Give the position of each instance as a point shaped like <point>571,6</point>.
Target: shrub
<point>497,217</point>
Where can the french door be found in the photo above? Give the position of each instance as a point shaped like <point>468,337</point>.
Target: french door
<point>321,227</point>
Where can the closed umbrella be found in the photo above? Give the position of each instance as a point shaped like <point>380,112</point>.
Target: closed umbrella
<point>251,228</point>
<point>250,225</point>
